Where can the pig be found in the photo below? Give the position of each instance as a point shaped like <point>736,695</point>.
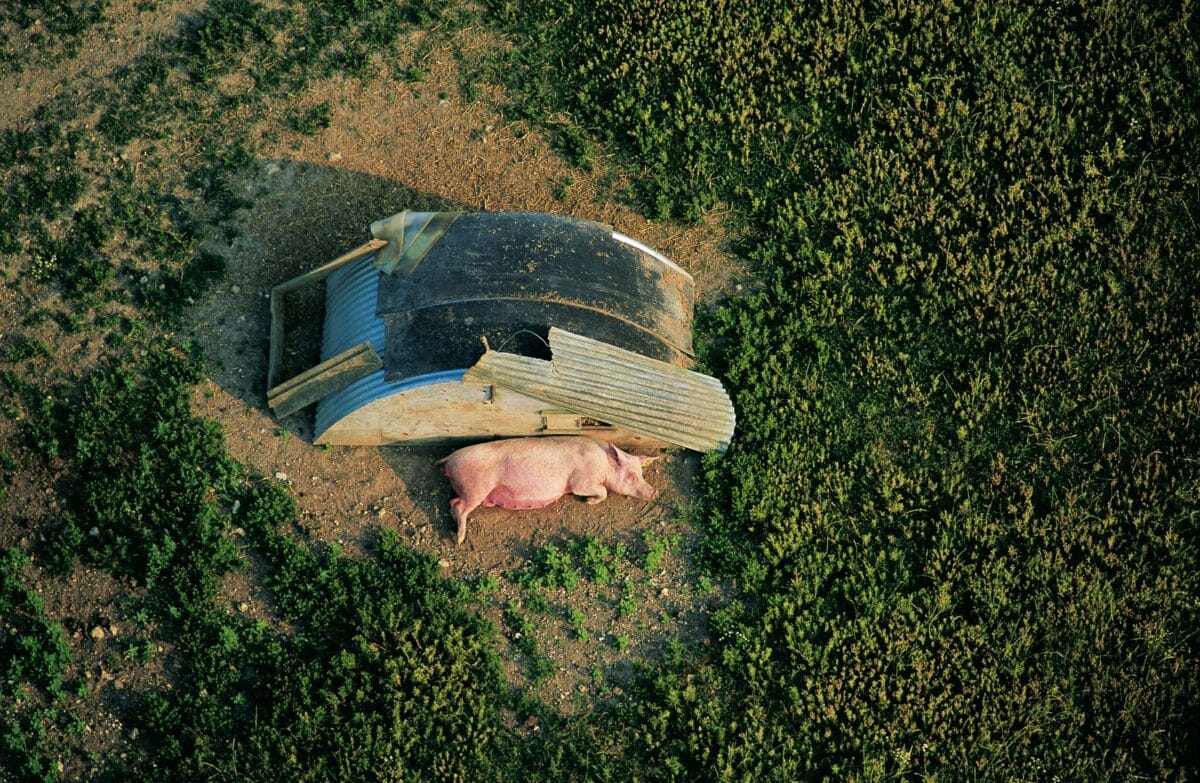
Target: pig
<point>535,472</point>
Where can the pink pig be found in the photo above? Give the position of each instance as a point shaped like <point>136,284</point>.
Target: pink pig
<point>535,472</point>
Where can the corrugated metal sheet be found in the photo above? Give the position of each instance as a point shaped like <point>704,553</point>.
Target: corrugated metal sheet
<point>350,319</point>
<point>619,387</point>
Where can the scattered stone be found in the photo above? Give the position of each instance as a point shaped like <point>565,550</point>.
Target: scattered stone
<point>237,289</point>
<point>443,563</point>
<point>664,592</point>
<point>281,476</point>
<point>333,157</point>
<point>114,629</point>
<point>98,633</point>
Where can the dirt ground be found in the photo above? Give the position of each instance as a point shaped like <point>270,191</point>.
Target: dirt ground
<point>395,146</point>
<point>390,146</point>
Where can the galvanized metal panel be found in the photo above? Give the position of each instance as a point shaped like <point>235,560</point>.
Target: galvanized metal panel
<point>619,387</point>
<point>350,319</point>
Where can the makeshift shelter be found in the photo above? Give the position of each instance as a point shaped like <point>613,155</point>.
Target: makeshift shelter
<point>482,324</point>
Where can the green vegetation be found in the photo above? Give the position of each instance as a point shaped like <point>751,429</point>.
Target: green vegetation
<point>582,559</point>
<point>386,675</point>
<point>522,633</point>
<point>961,507</point>
<point>36,30</point>
<point>33,658</point>
<point>961,510</point>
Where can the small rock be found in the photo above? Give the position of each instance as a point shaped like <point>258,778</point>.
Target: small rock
<point>333,157</point>
<point>237,289</point>
<point>664,592</point>
<point>98,633</point>
<point>281,476</point>
<point>243,607</point>
<point>443,563</point>
<point>114,629</point>
<point>105,676</point>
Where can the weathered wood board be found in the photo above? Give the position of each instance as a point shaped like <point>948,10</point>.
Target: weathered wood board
<point>326,378</point>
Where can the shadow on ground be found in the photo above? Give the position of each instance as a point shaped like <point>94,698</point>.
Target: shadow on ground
<point>304,216</point>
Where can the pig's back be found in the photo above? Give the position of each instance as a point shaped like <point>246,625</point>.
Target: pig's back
<point>528,469</point>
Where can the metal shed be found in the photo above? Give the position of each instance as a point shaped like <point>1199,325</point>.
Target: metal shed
<point>482,324</point>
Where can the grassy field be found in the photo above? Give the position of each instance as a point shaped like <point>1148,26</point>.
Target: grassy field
<point>961,512</point>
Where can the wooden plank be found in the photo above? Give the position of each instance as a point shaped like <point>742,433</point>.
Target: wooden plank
<point>275,360</point>
<point>671,422</point>
<point>325,270</point>
<point>561,420</point>
<point>324,379</point>
<point>629,391</point>
<point>275,357</point>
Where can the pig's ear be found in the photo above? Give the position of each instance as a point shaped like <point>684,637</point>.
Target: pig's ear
<point>613,452</point>
<point>647,460</point>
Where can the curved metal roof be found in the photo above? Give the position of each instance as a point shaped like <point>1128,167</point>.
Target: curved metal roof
<point>499,274</point>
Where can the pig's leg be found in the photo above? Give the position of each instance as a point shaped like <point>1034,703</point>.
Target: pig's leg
<point>461,508</point>
<point>591,494</point>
